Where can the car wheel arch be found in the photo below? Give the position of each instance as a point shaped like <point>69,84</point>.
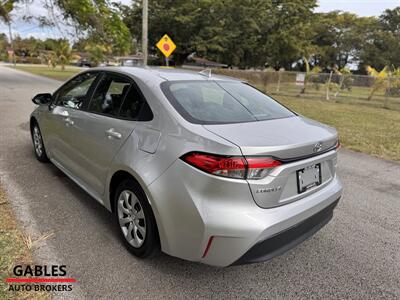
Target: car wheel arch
<point>115,180</point>
<point>117,177</point>
<point>32,122</point>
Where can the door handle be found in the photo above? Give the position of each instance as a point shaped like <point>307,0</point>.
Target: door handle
<point>69,122</point>
<point>112,134</point>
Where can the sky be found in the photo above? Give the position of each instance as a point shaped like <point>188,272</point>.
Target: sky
<point>365,8</point>
<point>24,29</point>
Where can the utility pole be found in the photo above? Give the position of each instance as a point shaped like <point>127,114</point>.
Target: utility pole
<point>11,42</point>
<point>145,31</point>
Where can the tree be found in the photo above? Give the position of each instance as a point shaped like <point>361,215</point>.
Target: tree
<point>310,75</point>
<point>390,20</point>
<point>225,39</point>
<point>6,6</point>
<point>98,19</point>
<point>28,46</point>
<point>380,49</point>
<point>381,79</point>
<point>339,37</point>
<point>287,33</point>
<point>244,33</point>
<point>345,80</point>
<point>182,21</point>
<point>64,53</point>
<point>97,52</point>
<point>3,46</point>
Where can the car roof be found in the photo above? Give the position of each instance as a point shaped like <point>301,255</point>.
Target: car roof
<point>166,73</point>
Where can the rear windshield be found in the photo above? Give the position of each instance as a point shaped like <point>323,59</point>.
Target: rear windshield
<point>222,102</point>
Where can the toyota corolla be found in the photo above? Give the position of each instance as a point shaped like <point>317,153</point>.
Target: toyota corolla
<point>202,167</point>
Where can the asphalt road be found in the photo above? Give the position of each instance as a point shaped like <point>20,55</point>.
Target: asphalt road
<point>355,256</point>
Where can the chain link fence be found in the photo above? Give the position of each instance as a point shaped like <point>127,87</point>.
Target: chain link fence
<point>341,88</point>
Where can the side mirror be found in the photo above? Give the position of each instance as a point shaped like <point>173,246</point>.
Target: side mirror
<point>42,99</point>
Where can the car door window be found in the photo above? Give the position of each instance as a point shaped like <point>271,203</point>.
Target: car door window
<point>133,104</point>
<point>74,93</point>
<point>109,95</point>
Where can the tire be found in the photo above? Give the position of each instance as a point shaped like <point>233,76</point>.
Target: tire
<point>135,219</point>
<point>38,145</point>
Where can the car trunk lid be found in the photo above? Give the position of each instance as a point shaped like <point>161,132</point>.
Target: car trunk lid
<point>288,138</point>
<point>306,149</point>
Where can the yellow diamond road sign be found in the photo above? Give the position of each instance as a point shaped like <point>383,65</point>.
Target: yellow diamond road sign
<point>166,45</point>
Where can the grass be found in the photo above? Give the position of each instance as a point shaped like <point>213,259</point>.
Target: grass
<point>45,71</point>
<point>13,251</point>
<point>357,96</point>
<point>363,126</point>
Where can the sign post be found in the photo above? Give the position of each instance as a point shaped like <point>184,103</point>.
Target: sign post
<point>166,46</point>
<point>300,79</point>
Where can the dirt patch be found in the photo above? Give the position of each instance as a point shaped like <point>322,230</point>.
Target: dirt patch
<point>25,126</point>
<point>13,251</point>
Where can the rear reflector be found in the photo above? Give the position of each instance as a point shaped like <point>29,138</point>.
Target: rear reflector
<point>232,166</point>
<point>338,145</point>
<point>208,246</point>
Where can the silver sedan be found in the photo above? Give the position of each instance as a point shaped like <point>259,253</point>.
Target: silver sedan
<point>202,167</point>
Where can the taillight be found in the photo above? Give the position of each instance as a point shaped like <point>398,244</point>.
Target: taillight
<point>259,167</point>
<point>232,166</point>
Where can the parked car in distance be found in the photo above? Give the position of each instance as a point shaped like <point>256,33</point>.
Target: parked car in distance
<point>84,63</point>
<point>130,61</point>
<point>202,167</point>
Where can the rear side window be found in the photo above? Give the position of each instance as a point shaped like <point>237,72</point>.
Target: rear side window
<point>109,95</point>
<point>132,105</point>
<point>222,102</point>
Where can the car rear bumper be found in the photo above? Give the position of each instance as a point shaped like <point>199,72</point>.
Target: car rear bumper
<point>192,208</point>
<point>290,225</point>
<point>288,239</point>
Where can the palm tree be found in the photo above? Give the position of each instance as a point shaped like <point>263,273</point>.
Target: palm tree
<point>310,73</point>
<point>393,85</point>
<point>381,80</point>
<point>345,77</point>
<point>6,6</point>
<point>97,53</point>
<point>50,58</point>
<point>64,53</point>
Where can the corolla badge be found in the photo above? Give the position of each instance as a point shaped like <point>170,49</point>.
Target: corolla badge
<point>318,147</point>
<point>269,190</point>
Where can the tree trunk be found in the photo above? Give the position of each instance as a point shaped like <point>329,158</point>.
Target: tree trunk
<point>340,85</point>
<point>303,90</point>
<point>372,94</point>
<point>279,81</point>
<point>387,94</point>
<point>308,70</point>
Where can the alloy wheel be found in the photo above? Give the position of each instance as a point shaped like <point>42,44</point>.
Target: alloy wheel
<point>131,218</point>
<point>37,141</point>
